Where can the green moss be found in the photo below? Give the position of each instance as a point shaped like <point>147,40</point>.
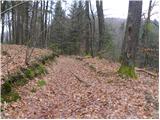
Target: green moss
<point>21,82</point>
<point>20,79</point>
<point>11,96</point>
<point>12,79</point>
<point>39,69</point>
<point>127,71</point>
<point>6,88</point>
<point>41,83</point>
<point>29,73</point>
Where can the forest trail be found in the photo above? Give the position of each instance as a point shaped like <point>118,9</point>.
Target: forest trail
<point>88,88</point>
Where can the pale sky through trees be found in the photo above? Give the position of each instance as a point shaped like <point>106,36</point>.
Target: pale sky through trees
<point>119,8</point>
<point>116,8</point>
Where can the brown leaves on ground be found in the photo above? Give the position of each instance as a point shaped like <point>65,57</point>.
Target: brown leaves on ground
<point>66,94</point>
<point>13,57</point>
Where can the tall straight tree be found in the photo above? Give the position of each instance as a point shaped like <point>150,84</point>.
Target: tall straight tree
<point>92,29</point>
<point>3,18</point>
<point>13,23</point>
<point>45,24</point>
<point>87,50</point>
<point>26,27</point>
<point>99,6</point>
<point>130,42</point>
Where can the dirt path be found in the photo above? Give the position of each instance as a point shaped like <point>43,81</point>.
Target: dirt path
<point>75,90</point>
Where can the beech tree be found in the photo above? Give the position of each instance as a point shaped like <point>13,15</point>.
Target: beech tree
<point>130,42</point>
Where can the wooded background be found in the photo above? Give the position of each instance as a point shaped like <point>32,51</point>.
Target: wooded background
<point>82,31</point>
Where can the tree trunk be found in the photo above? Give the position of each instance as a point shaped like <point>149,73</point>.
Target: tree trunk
<point>9,27</point>
<point>33,33</point>
<point>3,17</point>
<point>26,29</point>
<point>130,42</point>
<point>92,28</point>
<point>87,27</point>
<point>2,34</point>
<point>42,22</point>
<point>13,23</point>
<point>99,6</point>
<point>45,25</point>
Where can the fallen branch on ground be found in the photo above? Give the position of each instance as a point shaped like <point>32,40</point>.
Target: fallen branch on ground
<point>87,85</point>
<point>148,72</point>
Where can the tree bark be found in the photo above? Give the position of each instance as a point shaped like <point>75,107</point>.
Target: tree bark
<point>130,42</point>
<point>26,27</point>
<point>13,23</point>
<point>3,17</point>
<point>87,51</point>
<point>99,6</point>
<point>42,22</point>
<point>9,27</point>
<point>92,28</point>
<point>45,24</point>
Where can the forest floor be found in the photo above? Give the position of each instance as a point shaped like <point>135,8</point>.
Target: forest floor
<point>86,88</point>
<point>13,57</point>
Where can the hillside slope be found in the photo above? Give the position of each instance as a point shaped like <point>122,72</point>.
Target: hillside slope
<point>86,88</point>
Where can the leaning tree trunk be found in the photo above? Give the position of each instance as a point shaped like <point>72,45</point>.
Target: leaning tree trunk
<point>130,42</point>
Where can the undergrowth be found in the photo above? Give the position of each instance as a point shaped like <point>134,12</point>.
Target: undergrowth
<point>22,77</point>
